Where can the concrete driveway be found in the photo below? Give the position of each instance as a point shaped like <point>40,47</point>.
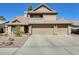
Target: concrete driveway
<point>50,45</point>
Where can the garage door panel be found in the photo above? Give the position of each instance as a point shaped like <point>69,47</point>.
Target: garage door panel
<point>42,29</point>
<point>62,29</point>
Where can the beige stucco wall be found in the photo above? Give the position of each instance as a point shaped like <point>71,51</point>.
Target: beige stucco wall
<point>49,17</point>
<point>6,29</point>
<point>9,30</point>
<point>69,29</point>
<point>22,28</point>
<point>30,29</point>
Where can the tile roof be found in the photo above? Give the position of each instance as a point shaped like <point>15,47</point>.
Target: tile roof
<point>76,23</point>
<point>49,22</point>
<point>44,12</point>
<point>51,10</point>
<point>44,6</point>
<point>2,22</point>
<point>25,21</point>
<point>22,19</point>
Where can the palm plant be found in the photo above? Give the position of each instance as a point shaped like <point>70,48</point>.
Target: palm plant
<point>30,7</point>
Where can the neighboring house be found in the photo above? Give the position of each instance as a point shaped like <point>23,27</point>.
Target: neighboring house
<point>75,25</point>
<point>3,26</point>
<point>41,20</point>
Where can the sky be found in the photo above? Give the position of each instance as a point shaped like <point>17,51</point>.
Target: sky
<point>68,11</point>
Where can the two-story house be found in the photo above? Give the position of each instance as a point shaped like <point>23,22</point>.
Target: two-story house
<point>40,20</point>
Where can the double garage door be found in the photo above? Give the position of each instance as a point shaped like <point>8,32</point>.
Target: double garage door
<point>42,29</point>
<point>48,29</point>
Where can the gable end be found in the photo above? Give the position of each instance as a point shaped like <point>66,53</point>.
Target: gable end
<point>16,21</point>
<point>42,5</point>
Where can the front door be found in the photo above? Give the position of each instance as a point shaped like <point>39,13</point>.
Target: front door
<point>25,29</point>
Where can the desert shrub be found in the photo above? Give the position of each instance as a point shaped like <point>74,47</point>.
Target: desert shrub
<point>17,31</point>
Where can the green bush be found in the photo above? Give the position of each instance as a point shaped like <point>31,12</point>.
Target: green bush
<point>17,31</point>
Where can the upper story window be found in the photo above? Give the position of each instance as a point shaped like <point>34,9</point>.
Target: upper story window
<point>36,15</point>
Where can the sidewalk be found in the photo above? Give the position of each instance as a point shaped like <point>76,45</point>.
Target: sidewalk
<point>8,51</point>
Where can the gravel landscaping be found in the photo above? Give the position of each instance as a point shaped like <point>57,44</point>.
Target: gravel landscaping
<point>17,41</point>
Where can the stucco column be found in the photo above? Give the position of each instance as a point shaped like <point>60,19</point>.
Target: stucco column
<point>6,29</point>
<point>69,29</point>
<point>55,29</point>
<point>9,30</point>
<point>30,29</point>
<point>22,28</point>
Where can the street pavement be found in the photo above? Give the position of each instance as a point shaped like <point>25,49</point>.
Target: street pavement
<point>8,51</point>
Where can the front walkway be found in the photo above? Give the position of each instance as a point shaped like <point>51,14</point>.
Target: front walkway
<point>50,45</point>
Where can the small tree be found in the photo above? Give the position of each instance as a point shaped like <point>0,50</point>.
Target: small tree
<point>17,31</point>
<point>42,4</point>
<point>2,18</point>
<point>30,7</point>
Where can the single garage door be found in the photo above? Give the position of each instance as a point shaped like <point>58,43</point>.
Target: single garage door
<point>62,29</point>
<point>42,29</point>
